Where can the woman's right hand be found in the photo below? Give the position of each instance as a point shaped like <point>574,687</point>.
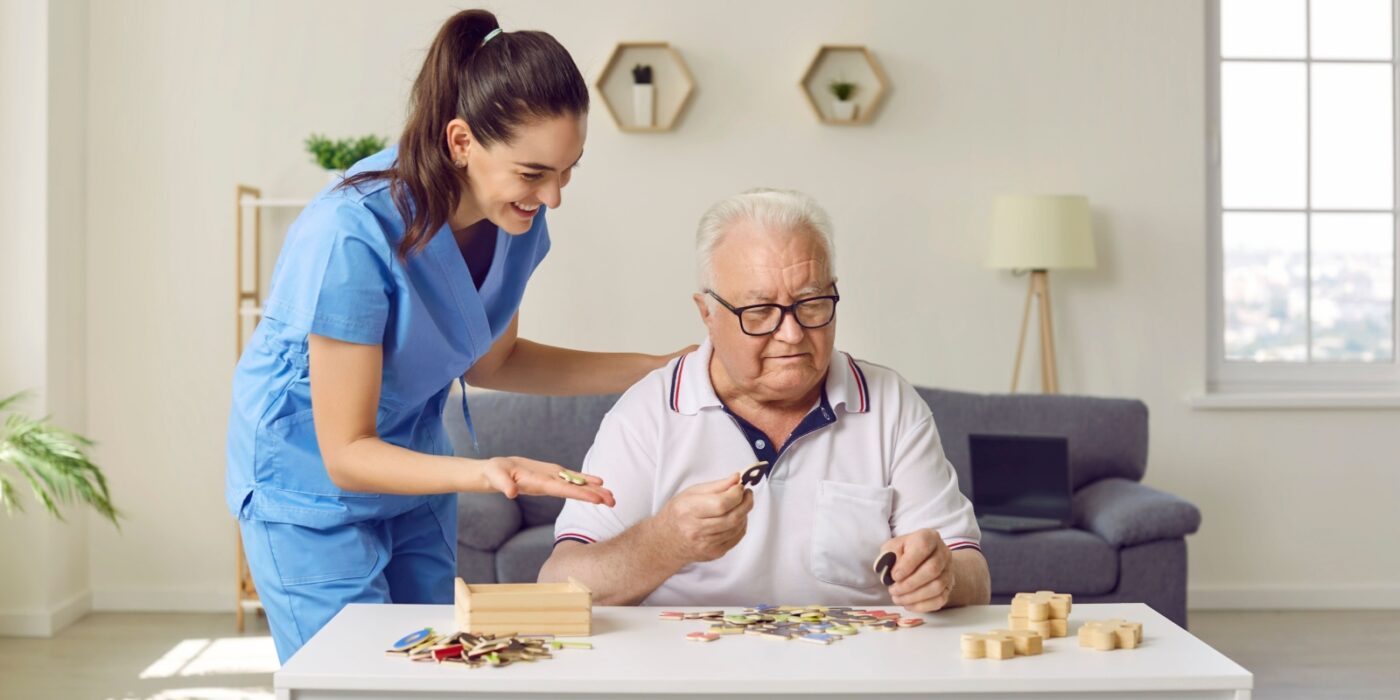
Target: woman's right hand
<point>513,476</point>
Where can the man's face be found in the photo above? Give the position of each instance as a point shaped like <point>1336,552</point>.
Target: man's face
<point>752,266</point>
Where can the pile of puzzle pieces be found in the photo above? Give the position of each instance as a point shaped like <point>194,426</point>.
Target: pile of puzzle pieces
<point>1043,612</point>
<point>476,650</point>
<point>816,624</point>
<point>1036,617</point>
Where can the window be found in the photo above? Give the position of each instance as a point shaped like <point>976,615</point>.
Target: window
<point>1303,195</point>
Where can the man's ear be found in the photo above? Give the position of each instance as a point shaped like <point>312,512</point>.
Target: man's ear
<point>702,303</point>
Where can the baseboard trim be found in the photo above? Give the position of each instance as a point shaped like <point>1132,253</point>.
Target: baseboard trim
<point>164,600</point>
<point>1291,597</point>
<point>41,623</point>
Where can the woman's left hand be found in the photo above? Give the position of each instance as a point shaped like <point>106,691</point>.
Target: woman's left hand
<point>513,476</point>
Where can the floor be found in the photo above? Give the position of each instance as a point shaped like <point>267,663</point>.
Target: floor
<point>187,656</point>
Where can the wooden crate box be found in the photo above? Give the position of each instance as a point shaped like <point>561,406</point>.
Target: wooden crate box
<point>561,609</point>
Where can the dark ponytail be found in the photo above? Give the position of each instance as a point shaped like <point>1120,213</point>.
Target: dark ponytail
<point>516,78</point>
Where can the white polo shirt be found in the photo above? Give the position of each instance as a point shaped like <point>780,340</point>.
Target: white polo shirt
<point>864,466</point>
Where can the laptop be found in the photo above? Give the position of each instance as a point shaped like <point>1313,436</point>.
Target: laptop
<point>1020,483</point>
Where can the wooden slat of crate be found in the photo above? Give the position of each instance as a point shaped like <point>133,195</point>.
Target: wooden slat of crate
<point>525,601</point>
<point>529,617</point>
<point>556,630</point>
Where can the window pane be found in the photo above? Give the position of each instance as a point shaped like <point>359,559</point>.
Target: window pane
<point>1351,29</point>
<point>1263,135</point>
<point>1265,292</point>
<point>1352,286</point>
<point>1351,137</point>
<point>1263,29</point>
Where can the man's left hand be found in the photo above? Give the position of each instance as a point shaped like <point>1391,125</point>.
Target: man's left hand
<point>923,572</point>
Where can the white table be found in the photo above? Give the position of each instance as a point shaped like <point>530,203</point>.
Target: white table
<point>639,654</point>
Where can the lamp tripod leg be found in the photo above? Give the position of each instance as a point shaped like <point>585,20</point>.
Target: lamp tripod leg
<point>1050,381</point>
<point>1021,344</point>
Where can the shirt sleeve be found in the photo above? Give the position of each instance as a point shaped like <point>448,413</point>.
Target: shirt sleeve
<point>334,277</point>
<point>926,488</point>
<point>627,462</point>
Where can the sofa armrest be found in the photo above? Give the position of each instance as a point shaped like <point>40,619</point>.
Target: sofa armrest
<point>1125,513</point>
<point>486,520</point>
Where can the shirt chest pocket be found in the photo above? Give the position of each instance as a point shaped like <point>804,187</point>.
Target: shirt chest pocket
<point>851,523</point>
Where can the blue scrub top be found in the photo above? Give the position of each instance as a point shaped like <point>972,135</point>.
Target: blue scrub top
<point>339,276</point>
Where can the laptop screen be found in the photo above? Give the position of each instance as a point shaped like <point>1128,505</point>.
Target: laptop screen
<point>1020,475</point>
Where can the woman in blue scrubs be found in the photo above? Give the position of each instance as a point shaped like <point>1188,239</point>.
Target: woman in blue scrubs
<point>392,285</point>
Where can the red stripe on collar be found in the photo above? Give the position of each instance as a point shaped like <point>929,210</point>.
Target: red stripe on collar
<point>860,384</point>
<point>676,384</point>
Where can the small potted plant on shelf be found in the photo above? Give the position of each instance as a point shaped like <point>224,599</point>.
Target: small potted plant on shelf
<point>843,108</point>
<point>52,461</point>
<point>337,155</point>
<point>643,96</point>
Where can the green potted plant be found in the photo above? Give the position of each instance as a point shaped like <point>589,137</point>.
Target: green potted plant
<point>337,155</point>
<point>843,107</point>
<point>52,461</point>
<point>643,96</point>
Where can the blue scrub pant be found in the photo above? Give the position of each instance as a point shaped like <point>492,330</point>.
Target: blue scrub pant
<point>305,575</point>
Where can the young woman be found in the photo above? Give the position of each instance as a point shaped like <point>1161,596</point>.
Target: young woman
<point>406,277</point>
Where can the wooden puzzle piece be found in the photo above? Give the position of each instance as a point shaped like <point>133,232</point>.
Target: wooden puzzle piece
<point>754,474</point>
<point>1027,643</point>
<point>1041,605</point>
<point>988,646</point>
<point>1107,635</point>
<point>1045,628</point>
<point>884,567</point>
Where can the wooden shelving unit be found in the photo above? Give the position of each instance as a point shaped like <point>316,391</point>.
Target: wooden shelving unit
<point>674,84</point>
<point>847,62</point>
<point>248,301</point>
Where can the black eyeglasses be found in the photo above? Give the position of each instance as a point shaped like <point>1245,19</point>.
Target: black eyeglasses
<point>765,319</point>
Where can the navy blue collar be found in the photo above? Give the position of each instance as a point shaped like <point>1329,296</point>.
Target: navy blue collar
<point>764,449</point>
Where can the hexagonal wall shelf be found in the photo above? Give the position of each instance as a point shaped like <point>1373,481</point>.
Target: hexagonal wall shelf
<point>844,63</point>
<point>629,104</point>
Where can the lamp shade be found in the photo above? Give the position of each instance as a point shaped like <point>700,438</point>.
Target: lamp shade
<point>1041,232</point>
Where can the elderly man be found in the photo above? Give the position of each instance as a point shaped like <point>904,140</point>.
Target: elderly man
<point>856,466</point>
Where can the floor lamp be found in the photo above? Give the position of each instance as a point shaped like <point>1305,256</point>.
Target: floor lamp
<point>1038,234</point>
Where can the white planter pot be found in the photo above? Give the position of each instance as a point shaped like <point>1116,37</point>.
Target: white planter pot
<point>644,105</point>
<point>844,110</point>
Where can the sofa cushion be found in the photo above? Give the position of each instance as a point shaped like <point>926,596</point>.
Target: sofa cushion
<point>1107,437</point>
<point>1126,513</point>
<point>486,520</point>
<point>1065,561</point>
<point>520,558</point>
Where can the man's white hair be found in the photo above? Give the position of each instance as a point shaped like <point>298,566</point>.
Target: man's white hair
<point>773,210</point>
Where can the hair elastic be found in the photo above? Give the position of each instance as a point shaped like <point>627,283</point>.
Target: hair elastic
<point>491,36</point>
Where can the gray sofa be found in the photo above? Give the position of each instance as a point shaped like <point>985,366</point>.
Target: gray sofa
<point>1127,544</point>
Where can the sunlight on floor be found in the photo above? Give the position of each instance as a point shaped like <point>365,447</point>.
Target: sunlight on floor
<point>213,694</point>
<point>209,657</point>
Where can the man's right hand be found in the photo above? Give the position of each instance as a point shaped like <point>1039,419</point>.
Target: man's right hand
<point>706,520</point>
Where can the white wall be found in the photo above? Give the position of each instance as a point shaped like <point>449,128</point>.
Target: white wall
<point>1099,97</point>
<point>43,117</point>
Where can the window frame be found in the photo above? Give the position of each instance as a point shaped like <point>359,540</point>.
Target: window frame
<point>1235,376</point>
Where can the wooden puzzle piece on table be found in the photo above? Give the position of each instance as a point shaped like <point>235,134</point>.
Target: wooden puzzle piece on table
<point>988,645</point>
<point>1027,643</point>
<point>1043,612</point>
<point>1001,644</point>
<point>1107,635</point>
